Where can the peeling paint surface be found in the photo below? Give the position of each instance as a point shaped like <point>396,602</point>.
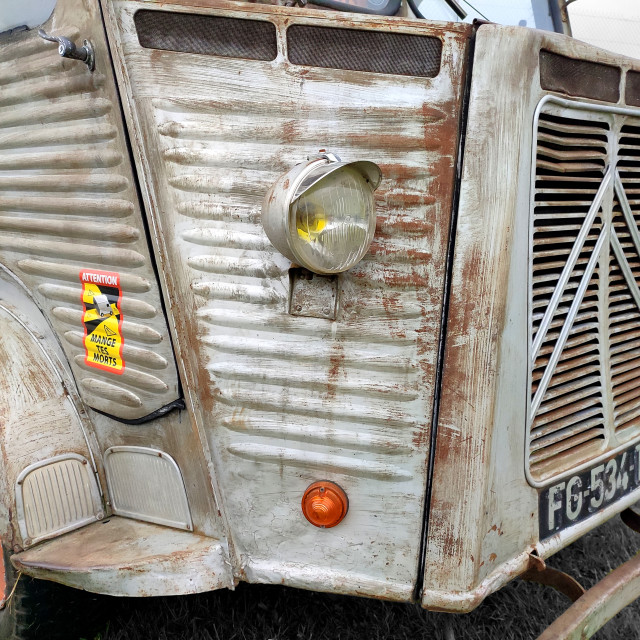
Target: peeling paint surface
<point>287,400</point>
<point>68,202</point>
<point>484,522</point>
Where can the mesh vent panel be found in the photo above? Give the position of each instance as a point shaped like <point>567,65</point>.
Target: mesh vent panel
<point>207,35</point>
<point>579,77</point>
<point>357,50</point>
<point>632,95</point>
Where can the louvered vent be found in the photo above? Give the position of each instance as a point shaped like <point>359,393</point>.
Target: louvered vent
<point>146,484</point>
<point>568,414</point>
<point>56,496</point>
<point>624,314</point>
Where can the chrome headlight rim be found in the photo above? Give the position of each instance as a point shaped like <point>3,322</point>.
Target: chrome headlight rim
<point>291,187</point>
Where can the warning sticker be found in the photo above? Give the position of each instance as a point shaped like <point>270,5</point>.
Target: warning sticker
<point>102,319</point>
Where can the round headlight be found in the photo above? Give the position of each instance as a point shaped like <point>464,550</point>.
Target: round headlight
<point>321,214</point>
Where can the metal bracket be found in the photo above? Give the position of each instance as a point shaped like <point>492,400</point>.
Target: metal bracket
<point>631,519</point>
<point>559,580</point>
<point>313,295</point>
<point>68,49</point>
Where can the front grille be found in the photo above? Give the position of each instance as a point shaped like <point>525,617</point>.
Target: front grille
<point>584,297</point>
<point>358,50</point>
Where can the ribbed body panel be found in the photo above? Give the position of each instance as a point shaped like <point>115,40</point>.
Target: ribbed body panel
<point>585,300</point>
<point>287,399</point>
<point>68,202</point>
<point>146,484</point>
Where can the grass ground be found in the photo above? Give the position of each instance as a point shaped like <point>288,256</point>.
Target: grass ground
<point>520,611</point>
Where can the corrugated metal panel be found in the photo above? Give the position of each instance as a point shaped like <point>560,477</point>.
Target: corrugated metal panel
<point>68,202</point>
<point>146,484</point>
<point>56,496</point>
<point>282,370</point>
<point>289,399</point>
<point>585,394</point>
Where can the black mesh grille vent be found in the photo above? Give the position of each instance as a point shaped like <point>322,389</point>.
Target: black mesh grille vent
<point>632,96</point>
<point>207,35</point>
<point>579,77</point>
<point>356,50</point>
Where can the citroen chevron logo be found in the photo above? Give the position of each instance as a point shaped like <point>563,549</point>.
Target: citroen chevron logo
<point>607,232</point>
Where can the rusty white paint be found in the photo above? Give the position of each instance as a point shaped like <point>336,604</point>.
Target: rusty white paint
<point>483,522</point>
<point>39,413</point>
<point>282,400</point>
<point>598,605</point>
<point>68,202</point>
<point>122,557</point>
<point>286,400</point>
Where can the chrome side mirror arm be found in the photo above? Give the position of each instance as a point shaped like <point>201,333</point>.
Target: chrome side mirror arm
<point>68,49</point>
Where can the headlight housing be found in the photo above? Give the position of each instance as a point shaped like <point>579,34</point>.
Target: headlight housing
<point>321,214</point>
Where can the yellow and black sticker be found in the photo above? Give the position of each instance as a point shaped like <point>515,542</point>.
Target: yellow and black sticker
<point>102,319</point>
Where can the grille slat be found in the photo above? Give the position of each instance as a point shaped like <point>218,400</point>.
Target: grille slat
<point>571,159</point>
<point>624,319</point>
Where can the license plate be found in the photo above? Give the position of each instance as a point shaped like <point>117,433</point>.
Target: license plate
<point>574,499</point>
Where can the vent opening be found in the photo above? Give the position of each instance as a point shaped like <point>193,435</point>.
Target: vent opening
<point>206,35</point>
<point>359,50</point>
<point>580,78</point>
<point>632,93</point>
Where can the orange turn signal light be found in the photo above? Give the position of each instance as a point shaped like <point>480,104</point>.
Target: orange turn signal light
<point>324,504</point>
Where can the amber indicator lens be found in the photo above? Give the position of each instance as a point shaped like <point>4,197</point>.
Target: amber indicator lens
<point>324,504</point>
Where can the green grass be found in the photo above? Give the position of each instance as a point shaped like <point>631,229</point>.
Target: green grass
<point>263,612</point>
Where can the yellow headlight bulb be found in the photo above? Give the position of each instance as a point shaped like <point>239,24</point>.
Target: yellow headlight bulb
<point>310,222</point>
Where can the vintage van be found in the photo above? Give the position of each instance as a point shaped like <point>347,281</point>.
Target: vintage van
<point>341,301</point>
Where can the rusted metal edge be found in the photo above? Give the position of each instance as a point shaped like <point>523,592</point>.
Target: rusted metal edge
<point>540,573</point>
<point>370,21</point>
<point>124,557</point>
<point>464,112</point>
<point>598,605</point>
<point>3,579</point>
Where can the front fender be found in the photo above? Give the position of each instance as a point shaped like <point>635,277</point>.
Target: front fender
<point>40,422</point>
